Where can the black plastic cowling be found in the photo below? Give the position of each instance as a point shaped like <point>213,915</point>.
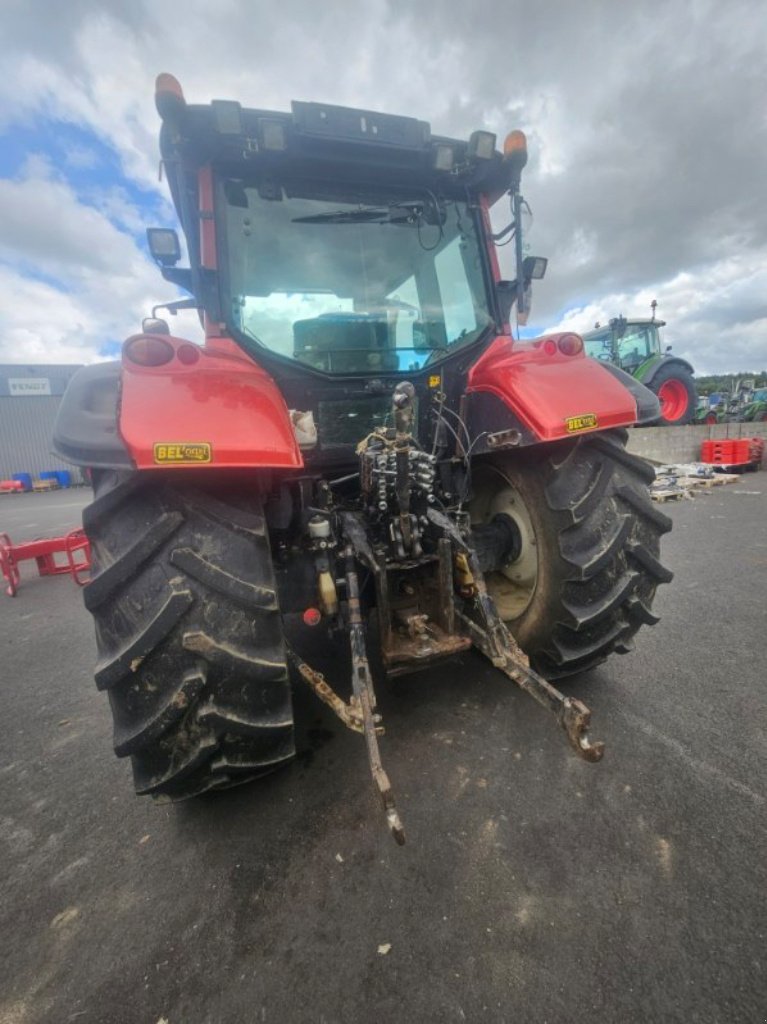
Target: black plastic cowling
<point>85,432</point>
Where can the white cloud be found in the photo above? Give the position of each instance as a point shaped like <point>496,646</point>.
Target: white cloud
<point>701,311</point>
<point>646,127</point>
<point>70,280</point>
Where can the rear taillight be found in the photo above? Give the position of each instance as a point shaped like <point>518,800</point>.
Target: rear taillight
<point>570,344</point>
<point>146,350</point>
<point>550,347</point>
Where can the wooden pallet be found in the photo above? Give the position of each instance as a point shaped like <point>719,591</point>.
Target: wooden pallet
<point>668,495</point>
<point>705,483</point>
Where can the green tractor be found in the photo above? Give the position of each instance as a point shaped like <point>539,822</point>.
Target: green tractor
<point>746,403</point>
<point>755,411</point>
<point>635,346</point>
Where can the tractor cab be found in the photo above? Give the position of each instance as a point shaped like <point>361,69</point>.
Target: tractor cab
<point>625,343</point>
<point>335,242</point>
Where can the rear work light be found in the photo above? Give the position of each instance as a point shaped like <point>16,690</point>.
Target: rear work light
<point>146,350</point>
<point>570,344</point>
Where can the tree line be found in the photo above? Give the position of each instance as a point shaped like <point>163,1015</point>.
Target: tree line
<point>725,381</point>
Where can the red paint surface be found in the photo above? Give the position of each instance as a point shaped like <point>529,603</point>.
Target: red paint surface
<point>228,402</point>
<point>545,388</point>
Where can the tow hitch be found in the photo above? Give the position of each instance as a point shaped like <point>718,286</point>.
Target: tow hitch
<point>476,619</point>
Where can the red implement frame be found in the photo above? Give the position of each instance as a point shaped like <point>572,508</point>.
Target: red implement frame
<point>44,551</point>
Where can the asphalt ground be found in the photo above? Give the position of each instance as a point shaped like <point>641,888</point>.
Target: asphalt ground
<point>534,887</point>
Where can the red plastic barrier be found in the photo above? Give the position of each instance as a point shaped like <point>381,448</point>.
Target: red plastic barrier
<point>733,452</point>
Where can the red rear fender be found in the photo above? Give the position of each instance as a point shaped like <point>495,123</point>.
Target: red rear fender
<point>553,394</point>
<point>204,406</point>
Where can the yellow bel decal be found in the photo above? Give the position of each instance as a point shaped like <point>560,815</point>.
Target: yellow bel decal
<point>435,381</point>
<point>585,421</point>
<point>177,453</point>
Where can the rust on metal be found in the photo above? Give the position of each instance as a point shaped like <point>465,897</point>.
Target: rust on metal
<point>573,716</point>
<point>349,714</point>
<point>362,685</point>
<point>495,641</point>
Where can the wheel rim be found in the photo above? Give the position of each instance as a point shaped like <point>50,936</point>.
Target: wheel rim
<point>513,586</point>
<point>673,399</point>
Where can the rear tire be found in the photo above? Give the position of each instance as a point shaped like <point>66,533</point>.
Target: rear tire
<point>586,574</point>
<point>189,633</point>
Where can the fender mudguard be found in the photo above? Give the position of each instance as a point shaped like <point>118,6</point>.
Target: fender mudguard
<point>551,394</point>
<point>647,377</point>
<point>207,408</point>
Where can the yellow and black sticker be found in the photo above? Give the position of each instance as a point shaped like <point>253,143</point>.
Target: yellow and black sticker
<point>175,453</point>
<point>435,381</point>
<point>585,421</point>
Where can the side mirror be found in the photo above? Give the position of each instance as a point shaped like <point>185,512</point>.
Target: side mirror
<point>533,269</point>
<point>164,246</point>
<point>153,325</point>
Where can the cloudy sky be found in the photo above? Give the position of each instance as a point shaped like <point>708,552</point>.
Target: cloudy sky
<point>647,125</point>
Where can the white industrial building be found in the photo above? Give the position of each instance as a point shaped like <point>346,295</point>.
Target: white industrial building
<point>29,400</point>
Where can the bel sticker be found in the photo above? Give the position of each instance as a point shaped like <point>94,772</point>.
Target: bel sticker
<point>585,421</point>
<point>177,453</point>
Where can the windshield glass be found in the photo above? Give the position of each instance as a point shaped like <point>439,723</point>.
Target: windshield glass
<point>639,342</point>
<point>381,283</point>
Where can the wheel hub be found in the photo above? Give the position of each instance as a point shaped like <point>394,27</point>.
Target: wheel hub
<point>512,584</point>
<point>673,399</point>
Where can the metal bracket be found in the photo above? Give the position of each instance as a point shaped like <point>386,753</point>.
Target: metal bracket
<point>494,640</point>
<point>359,714</point>
<point>349,714</point>
<point>362,684</point>
<point>573,716</point>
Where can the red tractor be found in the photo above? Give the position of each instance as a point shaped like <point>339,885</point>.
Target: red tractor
<point>360,439</point>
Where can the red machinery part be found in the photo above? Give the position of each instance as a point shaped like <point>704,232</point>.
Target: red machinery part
<point>43,551</point>
<point>552,387</point>
<point>221,410</point>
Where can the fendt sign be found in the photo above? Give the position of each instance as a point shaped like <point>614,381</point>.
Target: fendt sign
<point>24,386</point>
